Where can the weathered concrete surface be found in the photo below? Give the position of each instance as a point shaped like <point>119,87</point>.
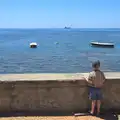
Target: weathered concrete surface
<point>53,118</point>
<point>53,92</point>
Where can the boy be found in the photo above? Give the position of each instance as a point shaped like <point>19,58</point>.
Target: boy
<point>95,81</point>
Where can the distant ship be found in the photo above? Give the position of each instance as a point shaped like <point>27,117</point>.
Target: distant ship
<point>67,27</point>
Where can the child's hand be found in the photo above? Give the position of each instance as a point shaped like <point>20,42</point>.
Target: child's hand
<point>86,78</point>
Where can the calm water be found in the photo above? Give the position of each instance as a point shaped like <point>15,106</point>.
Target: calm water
<point>72,54</point>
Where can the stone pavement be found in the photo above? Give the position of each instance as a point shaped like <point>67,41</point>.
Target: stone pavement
<point>52,118</point>
<point>37,116</point>
<point>104,117</point>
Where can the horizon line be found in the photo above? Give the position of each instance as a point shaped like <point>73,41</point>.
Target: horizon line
<point>61,28</point>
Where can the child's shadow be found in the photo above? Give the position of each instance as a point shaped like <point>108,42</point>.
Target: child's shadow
<point>109,116</point>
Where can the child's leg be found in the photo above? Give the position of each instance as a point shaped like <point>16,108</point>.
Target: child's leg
<point>99,98</point>
<point>92,96</point>
<point>98,106</point>
<point>93,106</point>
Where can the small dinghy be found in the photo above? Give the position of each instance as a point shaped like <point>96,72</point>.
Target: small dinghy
<point>33,45</point>
<point>99,44</point>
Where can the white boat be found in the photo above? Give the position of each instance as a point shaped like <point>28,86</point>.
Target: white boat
<point>33,45</point>
<point>100,44</point>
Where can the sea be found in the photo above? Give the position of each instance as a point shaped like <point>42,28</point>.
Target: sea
<point>59,50</point>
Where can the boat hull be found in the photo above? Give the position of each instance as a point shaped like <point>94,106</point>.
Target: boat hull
<point>33,46</point>
<point>102,45</point>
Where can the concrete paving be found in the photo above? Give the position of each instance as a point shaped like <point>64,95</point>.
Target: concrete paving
<point>52,118</point>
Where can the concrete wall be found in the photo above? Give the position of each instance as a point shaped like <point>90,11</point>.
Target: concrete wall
<point>54,92</point>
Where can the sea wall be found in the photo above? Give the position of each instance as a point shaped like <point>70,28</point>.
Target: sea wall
<point>54,92</point>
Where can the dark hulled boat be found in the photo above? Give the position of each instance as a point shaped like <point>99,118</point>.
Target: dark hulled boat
<point>99,44</point>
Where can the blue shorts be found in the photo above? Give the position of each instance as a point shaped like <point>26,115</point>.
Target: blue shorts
<point>95,93</point>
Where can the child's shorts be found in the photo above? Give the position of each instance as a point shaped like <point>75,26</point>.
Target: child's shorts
<point>95,93</point>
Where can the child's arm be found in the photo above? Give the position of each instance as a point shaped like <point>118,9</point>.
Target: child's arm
<point>89,79</point>
<point>104,79</point>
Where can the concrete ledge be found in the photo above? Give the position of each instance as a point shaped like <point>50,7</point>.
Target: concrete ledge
<point>52,76</point>
<point>54,92</point>
<point>40,77</point>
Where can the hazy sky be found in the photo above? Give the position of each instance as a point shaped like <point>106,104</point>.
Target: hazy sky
<point>59,13</point>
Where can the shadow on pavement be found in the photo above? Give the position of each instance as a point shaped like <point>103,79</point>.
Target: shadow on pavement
<point>105,116</point>
<point>37,113</point>
<point>109,116</point>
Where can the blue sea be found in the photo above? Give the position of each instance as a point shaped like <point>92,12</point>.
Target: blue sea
<point>72,54</point>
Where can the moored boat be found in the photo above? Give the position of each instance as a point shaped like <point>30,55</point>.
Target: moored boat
<point>33,45</point>
<point>100,44</point>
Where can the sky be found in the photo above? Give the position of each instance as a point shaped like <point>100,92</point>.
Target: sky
<point>59,13</point>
